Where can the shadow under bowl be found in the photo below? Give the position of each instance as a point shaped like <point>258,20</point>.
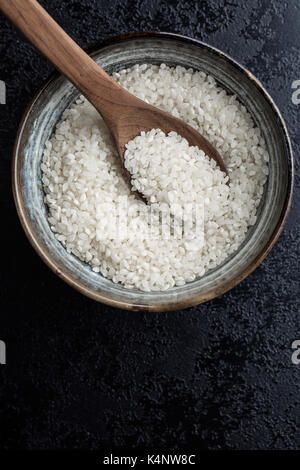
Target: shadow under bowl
<point>113,55</point>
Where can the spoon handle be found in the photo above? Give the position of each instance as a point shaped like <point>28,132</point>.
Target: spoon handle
<point>51,40</point>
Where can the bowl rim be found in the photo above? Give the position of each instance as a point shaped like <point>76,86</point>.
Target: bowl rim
<point>99,295</point>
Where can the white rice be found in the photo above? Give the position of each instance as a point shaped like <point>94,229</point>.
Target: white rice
<point>85,188</point>
<point>166,169</point>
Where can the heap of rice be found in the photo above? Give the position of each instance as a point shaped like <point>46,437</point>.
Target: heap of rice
<point>166,169</point>
<point>97,218</point>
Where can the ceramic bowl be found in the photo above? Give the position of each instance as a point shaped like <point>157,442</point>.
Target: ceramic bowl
<point>115,54</point>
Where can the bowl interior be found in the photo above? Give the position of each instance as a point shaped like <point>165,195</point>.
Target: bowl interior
<point>58,94</point>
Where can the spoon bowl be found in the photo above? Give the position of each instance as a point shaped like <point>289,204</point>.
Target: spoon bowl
<point>142,117</point>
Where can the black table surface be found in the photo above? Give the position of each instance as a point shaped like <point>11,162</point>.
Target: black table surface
<point>217,376</point>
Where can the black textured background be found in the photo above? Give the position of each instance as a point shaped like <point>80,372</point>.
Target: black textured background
<point>83,375</point>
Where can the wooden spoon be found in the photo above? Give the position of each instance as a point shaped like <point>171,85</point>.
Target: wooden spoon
<point>125,115</point>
